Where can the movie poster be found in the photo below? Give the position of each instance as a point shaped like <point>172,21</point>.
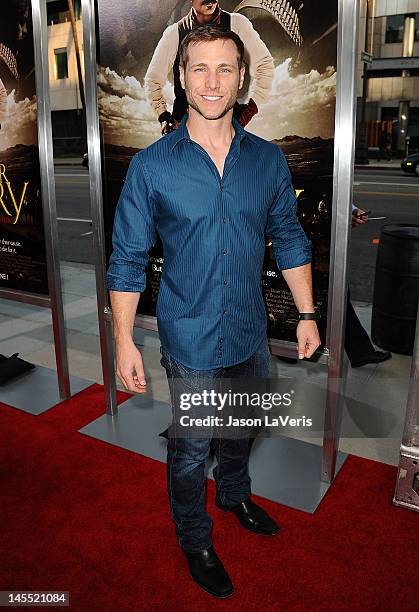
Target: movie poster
<point>291,50</point>
<point>22,251</point>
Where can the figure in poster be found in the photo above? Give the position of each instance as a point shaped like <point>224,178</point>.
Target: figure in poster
<point>298,116</point>
<point>166,56</point>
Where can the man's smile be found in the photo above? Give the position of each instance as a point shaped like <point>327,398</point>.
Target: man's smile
<point>212,98</point>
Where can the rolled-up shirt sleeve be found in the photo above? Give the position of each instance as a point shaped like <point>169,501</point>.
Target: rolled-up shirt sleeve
<point>290,244</point>
<point>134,231</point>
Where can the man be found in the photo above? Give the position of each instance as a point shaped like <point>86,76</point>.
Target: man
<point>358,346</point>
<point>166,56</point>
<point>211,191</point>
<point>384,142</point>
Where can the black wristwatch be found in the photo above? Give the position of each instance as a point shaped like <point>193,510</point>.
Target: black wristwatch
<point>309,316</point>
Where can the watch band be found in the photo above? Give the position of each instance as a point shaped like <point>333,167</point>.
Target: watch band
<point>309,316</point>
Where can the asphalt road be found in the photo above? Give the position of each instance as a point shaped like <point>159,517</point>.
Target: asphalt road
<point>386,192</point>
<point>74,214</point>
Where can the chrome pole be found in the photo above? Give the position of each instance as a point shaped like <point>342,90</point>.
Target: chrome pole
<point>40,35</point>
<point>96,202</point>
<point>347,50</point>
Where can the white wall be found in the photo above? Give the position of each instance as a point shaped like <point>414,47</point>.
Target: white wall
<point>395,7</point>
<point>64,92</point>
<point>393,89</point>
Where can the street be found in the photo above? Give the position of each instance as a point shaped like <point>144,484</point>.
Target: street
<point>74,213</point>
<point>386,192</point>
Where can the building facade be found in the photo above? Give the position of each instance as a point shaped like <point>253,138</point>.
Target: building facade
<point>66,105</point>
<point>392,103</point>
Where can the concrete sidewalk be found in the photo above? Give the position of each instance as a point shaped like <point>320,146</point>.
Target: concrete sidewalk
<point>392,164</point>
<point>67,161</point>
<point>375,395</point>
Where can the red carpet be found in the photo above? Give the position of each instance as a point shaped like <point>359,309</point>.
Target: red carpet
<point>81,515</point>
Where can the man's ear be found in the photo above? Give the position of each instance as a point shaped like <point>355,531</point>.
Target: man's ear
<point>182,76</point>
<point>242,71</point>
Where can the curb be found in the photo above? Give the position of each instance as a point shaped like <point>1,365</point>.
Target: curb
<point>385,165</point>
<point>67,162</point>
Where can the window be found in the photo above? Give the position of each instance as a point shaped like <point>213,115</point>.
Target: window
<point>390,113</point>
<point>394,30</point>
<point>61,64</point>
<point>413,116</point>
<point>417,27</point>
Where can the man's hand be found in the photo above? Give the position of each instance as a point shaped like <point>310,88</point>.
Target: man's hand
<point>308,338</point>
<point>244,112</point>
<point>357,219</point>
<point>168,123</point>
<point>129,367</point>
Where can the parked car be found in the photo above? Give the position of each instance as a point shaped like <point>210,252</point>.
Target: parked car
<point>85,160</point>
<point>411,164</point>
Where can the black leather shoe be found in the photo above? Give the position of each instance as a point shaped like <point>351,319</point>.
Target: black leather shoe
<point>374,357</point>
<point>209,573</point>
<point>252,517</point>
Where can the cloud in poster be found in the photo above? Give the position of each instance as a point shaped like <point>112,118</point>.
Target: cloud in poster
<point>125,114</point>
<point>18,122</point>
<point>301,104</point>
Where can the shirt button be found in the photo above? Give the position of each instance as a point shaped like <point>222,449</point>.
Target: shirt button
<point>224,252</point>
<point>224,311</point>
<point>223,220</point>
<point>225,282</point>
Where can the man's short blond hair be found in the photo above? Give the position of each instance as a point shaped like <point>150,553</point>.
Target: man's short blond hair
<point>208,33</point>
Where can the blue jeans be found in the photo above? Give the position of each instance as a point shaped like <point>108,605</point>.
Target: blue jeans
<point>187,456</point>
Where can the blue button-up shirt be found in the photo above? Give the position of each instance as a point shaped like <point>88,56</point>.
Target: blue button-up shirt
<point>210,308</point>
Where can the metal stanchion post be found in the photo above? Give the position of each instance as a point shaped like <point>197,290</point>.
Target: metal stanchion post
<point>96,199</point>
<point>341,224</point>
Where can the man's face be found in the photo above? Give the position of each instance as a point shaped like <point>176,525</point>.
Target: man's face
<point>204,8</point>
<point>212,77</point>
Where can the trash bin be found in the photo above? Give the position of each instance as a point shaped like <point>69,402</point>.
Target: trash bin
<point>396,289</point>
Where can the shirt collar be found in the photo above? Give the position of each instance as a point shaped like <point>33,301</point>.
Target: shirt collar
<point>216,18</point>
<point>181,133</point>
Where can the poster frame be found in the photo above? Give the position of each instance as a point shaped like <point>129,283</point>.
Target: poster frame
<point>332,356</point>
<point>54,299</point>
<point>344,158</point>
